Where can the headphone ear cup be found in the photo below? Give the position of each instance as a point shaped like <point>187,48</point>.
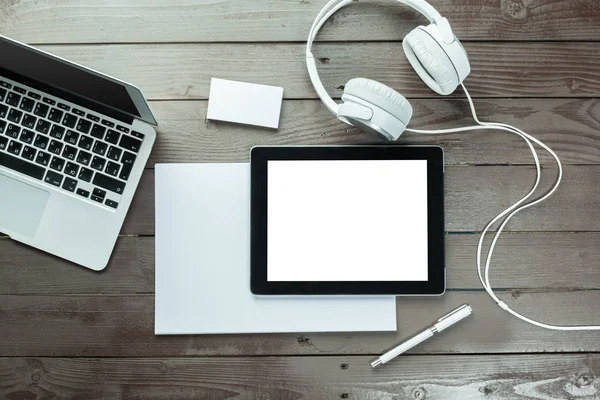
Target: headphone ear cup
<point>381,96</point>
<point>430,61</point>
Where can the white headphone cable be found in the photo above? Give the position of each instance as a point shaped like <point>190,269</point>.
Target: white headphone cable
<point>513,209</point>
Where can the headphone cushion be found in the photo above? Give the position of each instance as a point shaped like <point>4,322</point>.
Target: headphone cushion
<point>381,96</point>
<point>430,61</point>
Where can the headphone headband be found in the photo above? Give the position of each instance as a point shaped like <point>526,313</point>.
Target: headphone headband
<point>331,8</point>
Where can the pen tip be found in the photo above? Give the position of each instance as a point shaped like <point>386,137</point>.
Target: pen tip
<point>376,363</point>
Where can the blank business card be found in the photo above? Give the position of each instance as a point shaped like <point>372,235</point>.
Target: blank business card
<point>244,103</point>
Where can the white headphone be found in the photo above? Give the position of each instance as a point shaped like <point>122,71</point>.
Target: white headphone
<point>442,63</point>
<point>433,51</point>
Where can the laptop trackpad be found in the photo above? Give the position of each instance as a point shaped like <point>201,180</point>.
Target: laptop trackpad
<point>21,206</point>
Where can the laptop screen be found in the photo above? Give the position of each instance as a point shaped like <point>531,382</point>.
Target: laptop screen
<point>72,82</point>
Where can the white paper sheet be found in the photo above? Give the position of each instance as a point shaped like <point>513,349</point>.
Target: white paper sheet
<point>203,264</point>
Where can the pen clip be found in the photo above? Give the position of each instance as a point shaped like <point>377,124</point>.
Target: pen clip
<point>453,312</point>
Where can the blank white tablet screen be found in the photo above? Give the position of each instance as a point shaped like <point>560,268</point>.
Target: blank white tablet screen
<point>347,220</point>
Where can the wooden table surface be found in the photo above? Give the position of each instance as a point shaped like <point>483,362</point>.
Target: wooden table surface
<point>66,332</point>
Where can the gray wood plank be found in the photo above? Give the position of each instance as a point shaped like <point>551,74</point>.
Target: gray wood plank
<point>272,20</point>
<point>25,270</point>
<point>474,195</point>
<point>570,126</point>
<point>122,326</point>
<point>457,377</point>
<point>551,261</point>
<point>183,71</point>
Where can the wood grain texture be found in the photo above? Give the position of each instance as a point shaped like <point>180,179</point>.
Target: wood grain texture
<point>183,71</point>
<point>568,262</point>
<point>273,20</point>
<point>123,326</point>
<point>474,195</point>
<point>517,377</point>
<point>25,270</point>
<point>570,126</point>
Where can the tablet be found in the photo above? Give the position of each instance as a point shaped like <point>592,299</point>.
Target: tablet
<point>342,220</point>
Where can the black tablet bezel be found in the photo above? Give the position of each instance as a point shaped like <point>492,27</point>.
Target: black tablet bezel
<point>260,156</point>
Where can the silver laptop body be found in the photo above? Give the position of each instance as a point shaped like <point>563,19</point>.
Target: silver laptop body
<point>73,146</point>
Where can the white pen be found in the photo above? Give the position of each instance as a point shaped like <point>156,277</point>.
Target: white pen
<point>446,321</point>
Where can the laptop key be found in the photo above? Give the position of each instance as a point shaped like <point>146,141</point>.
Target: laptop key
<point>27,104</point>
<point>71,137</point>
<point>78,112</point>
<point>27,136</point>
<point>14,115</point>
<point>108,123</point>
<point>64,107</point>
<point>49,101</point>
<point>112,168</point>
<point>98,131</point>
<point>55,147</point>
<point>29,121</point>
<point>96,198</point>
<point>71,169</point>
<point>84,157</point>
<point>99,192</point>
<point>98,195</point>
<point>13,131</point>
<point>13,99</point>
<point>41,142</point>
<point>69,152</point>
<point>57,132</point>
<point>43,126</point>
<point>43,159</point>
<point>108,183</point>
<point>19,90</point>
<point>100,148</point>
<point>57,164</point>
<point>34,95</point>
<point>3,143</point>
<point>22,166</point>
<point>112,136</point>
<point>98,163</point>
<point>138,134</point>
<point>41,110</point>
<point>3,111</point>
<point>130,143</point>
<point>111,204</point>
<point>70,120</point>
<point>14,147</point>
<point>69,184</point>
<point>55,115</point>
<point>83,125</point>
<point>53,178</point>
<point>2,126</point>
<point>127,161</point>
<point>29,153</point>
<point>85,174</point>
<point>86,142</point>
<point>114,153</point>
<point>83,193</point>
<point>2,94</point>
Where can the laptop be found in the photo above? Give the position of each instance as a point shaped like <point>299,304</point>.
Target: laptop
<point>73,145</point>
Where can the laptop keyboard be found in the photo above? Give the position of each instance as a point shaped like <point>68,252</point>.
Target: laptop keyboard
<point>67,148</point>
